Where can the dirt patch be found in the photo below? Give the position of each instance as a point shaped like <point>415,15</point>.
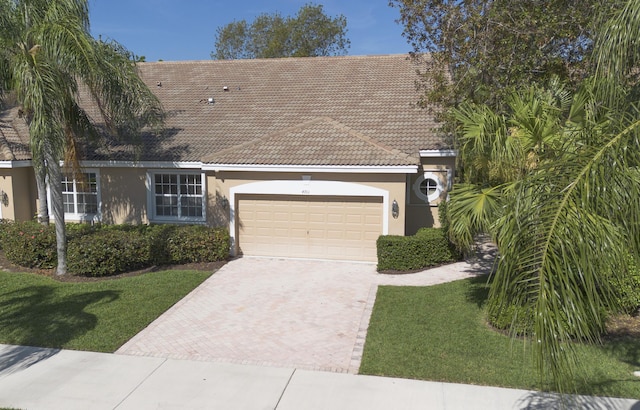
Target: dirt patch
<point>623,326</point>
<point>7,266</point>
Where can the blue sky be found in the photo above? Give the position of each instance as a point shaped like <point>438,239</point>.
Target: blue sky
<point>185,29</point>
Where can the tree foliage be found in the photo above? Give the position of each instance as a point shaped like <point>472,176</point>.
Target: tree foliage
<point>553,177</point>
<point>490,48</point>
<point>48,59</point>
<point>310,33</point>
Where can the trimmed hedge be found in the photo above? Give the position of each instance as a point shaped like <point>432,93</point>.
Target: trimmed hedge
<point>108,252</point>
<point>29,244</point>
<point>103,250</point>
<point>428,247</point>
<point>205,244</point>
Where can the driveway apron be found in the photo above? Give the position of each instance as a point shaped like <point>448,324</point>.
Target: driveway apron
<point>287,313</point>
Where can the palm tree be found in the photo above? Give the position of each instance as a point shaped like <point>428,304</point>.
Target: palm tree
<point>47,58</point>
<point>499,149</point>
<point>565,231</point>
<point>554,181</point>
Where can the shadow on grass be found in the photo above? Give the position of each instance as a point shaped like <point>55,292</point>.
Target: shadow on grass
<point>626,348</point>
<point>40,316</point>
<point>478,291</point>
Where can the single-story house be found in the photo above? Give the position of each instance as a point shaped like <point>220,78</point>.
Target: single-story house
<point>298,157</point>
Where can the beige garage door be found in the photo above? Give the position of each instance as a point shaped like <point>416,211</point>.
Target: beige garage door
<point>309,227</point>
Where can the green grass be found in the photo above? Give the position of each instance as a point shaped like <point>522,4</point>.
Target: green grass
<point>96,316</point>
<point>440,333</point>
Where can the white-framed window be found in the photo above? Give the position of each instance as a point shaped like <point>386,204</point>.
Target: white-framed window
<point>81,196</point>
<point>177,196</point>
<point>428,187</point>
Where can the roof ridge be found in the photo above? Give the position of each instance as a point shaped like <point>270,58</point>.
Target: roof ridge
<point>368,139</point>
<point>260,60</point>
<point>265,137</point>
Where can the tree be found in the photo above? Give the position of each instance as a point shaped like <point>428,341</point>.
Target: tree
<point>564,211</point>
<point>47,59</point>
<point>490,48</point>
<point>310,33</point>
<point>556,185</point>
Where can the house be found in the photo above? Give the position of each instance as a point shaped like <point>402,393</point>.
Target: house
<point>299,157</point>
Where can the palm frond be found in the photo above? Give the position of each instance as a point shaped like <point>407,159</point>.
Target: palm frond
<point>559,239</point>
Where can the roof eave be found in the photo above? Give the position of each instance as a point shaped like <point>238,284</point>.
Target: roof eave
<point>352,169</point>
<point>15,164</point>
<point>430,153</point>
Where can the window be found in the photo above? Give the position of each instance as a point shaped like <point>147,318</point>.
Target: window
<point>178,196</point>
<point>80,196</point>
<point>428,187</point>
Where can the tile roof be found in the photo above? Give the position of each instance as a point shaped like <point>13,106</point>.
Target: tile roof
<point>14,140</point>
<point>353,110</point>
<point>321,141</point>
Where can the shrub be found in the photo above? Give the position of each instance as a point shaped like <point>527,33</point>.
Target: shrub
<point>195,243</point>
<point>30,244</point>
<point>428,247</point>
<point>108,252</point>
<point>99,250</point>
<point>626,288</point>
<point>3,230</point>
<point>504,317</point>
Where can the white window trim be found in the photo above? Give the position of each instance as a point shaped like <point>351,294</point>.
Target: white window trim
<point>81,217</point>
<point>421,195</point>
<point>151,203</point>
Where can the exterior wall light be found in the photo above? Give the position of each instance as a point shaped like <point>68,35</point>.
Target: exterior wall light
<point>395,209</point>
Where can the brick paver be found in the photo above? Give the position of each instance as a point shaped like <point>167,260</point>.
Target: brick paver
<point>292,313</point>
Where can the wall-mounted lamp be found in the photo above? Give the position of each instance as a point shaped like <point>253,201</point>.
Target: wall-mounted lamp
<point>4,198</point>
<point>224,202</point>
<point>395,209</point>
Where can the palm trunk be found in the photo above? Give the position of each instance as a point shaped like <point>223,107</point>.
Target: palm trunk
<point>57,209</point>
<point>41,183</point>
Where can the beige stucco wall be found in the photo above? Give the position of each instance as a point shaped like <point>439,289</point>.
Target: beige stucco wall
<point>123,193</point>
<point>18,201</point>
<point>419,212</point>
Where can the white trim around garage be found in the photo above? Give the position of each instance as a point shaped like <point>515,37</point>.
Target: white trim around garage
<point>305,187</point>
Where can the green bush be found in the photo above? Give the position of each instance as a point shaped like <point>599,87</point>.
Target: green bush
<point>99,250</point>
<point>520,317</point>
<point>627,287</point>
<point>108,252</point>
<point>30,244</point>
<point>428,247</point>
<point>194,243</point>
<point>3,230</point>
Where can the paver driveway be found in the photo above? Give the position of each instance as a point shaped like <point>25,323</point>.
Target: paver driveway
<point>294,313</point>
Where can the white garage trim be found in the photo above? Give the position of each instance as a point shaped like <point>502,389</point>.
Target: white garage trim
<point>309,188</point>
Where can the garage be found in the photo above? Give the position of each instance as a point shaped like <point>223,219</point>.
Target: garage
<point>299,226</point>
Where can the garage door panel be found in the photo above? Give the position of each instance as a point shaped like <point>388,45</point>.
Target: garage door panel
<point>309,227</point>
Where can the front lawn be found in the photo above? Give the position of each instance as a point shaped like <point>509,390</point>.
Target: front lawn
<point>98,316</point>
<point>439,333</point>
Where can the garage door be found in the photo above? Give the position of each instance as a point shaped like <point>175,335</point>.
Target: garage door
<point>309,227</point>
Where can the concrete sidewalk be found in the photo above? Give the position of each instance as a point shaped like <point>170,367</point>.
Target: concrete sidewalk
<point>37,378</point>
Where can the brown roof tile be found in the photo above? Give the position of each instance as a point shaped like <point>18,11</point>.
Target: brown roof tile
<point>14,141</point>
<point>267,111</point>
<point>321,141</point>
